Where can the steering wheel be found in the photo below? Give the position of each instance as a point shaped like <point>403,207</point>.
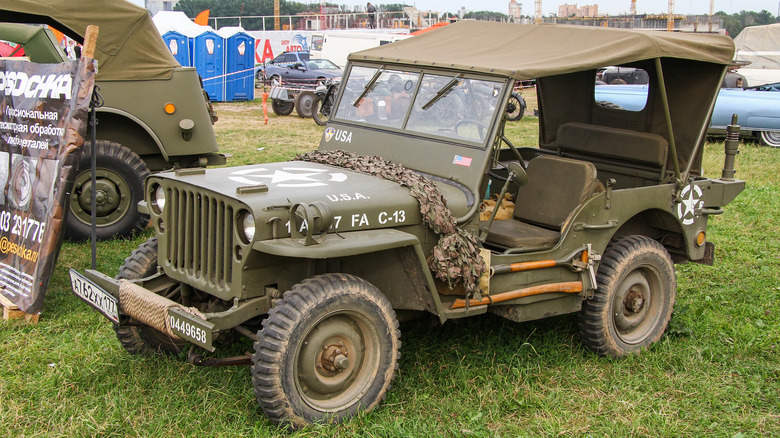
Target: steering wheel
<point>483,128</point>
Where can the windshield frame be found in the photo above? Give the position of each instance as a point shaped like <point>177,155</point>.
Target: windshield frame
<point>496,116</point>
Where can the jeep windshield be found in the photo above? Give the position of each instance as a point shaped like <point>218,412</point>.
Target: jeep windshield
<point>449,106</point>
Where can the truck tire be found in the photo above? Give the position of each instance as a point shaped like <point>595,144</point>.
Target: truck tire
<point>304,104</point>
<point>142,339</point>
<point>120,186</point>
<point>633,303</point>
<point>328,350</point>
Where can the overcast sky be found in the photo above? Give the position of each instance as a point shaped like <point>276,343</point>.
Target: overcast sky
<point>612,7</point>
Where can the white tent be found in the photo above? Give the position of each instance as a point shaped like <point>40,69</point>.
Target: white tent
<point>178,21</point>
<point>761,46</point>
<point>229,31</point>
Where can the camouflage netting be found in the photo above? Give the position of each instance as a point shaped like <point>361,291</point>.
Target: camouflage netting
<point>456,256</point>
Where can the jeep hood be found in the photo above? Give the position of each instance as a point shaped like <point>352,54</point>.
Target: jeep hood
<point>358,201</point>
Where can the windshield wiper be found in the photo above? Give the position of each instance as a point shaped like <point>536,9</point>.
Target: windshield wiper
<point>368,86</point>
<point>443,92</point>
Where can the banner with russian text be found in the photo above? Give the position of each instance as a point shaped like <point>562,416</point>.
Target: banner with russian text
<point>42,126</point>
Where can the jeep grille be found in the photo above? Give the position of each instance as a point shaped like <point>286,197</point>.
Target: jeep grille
<point>200,237</point>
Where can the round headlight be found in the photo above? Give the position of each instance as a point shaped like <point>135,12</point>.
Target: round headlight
<point>248,226</point>
<point>158,199</point>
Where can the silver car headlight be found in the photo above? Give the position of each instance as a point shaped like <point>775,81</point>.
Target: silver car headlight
<point>158,199</point>
<point>247,227</point>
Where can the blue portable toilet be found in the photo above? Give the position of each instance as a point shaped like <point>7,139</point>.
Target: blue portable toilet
<point>239,64</point>
<point>208,58</point>
<point>179,45</point>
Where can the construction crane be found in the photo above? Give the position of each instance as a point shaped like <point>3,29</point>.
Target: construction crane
<point>712,11</point>
<point>670,17</point>
<point>276,15</point>
<point>633,8</point>
<point>538,11</point>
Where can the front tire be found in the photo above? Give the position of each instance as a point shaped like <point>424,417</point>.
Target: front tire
<point>328,350</point>
<point>142,339</point>
<point>633,303</point>
<point>120,186</point>
<point>316,114</point>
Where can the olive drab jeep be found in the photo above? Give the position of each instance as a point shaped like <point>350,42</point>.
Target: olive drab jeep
<point>154,116</point>
<point>317,259</point>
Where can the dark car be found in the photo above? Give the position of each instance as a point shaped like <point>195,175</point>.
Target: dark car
<point>298,68</point>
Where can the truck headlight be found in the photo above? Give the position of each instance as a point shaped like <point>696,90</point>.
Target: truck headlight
<point>158,199</point>
<point>247,227</point>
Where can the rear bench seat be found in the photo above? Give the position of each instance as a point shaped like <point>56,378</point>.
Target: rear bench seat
<point>632,158</point>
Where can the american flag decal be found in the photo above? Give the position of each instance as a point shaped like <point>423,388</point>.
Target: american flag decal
<point>462,161</point>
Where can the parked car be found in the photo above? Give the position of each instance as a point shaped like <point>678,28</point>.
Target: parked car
<point>622,75</point>
<point>155,114</point>
<point>297,68</point>
<point>758,111</point>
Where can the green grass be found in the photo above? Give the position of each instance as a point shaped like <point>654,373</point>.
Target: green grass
<point>715,373</point>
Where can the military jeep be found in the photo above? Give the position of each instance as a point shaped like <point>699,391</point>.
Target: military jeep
<point>154,116</point>
<point>318,259</point>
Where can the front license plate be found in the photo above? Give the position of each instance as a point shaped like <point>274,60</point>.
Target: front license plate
<point>191,328</point>
<point>95,296</point>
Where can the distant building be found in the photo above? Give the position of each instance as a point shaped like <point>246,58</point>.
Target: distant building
<point>155,6</point>
<point>574,11</point>
<point>515,10</point>
<point>588,11</point>
<point>462,12</point>
<point>565,10</point>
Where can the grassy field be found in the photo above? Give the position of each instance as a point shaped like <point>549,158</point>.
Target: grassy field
<point>716,372</point>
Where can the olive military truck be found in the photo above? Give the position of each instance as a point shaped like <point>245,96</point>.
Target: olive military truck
<point>317,259</point>
<point>154,115</point>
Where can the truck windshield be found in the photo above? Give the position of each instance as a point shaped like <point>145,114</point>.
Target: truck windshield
<point>448,106</point>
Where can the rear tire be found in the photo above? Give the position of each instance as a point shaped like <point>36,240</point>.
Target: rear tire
<point>515,108</point>
<point>142,339</point>
<point>120,186</point>
<point>328,350</point>
<point>633,303</point>
<point>770,138</point>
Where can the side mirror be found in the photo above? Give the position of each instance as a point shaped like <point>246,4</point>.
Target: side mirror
<point>517,173</point>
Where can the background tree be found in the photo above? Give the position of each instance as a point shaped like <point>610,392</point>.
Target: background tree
<point>734,23</point>
<point>486,16</point>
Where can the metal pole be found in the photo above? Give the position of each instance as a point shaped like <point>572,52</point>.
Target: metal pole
<point>90,40</point>
<point>668,116</point>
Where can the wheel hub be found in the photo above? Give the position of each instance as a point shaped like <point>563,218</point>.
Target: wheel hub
<point>634,301</point>
<point>334,358</point>
<point>106,196</point>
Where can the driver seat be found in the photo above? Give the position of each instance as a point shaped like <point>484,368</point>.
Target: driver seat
<point>556,187</point>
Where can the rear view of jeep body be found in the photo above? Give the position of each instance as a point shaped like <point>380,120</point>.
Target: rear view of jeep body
<point>317,259</point>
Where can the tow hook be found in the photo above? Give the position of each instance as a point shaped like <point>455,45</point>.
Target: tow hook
<point>198,360</point>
